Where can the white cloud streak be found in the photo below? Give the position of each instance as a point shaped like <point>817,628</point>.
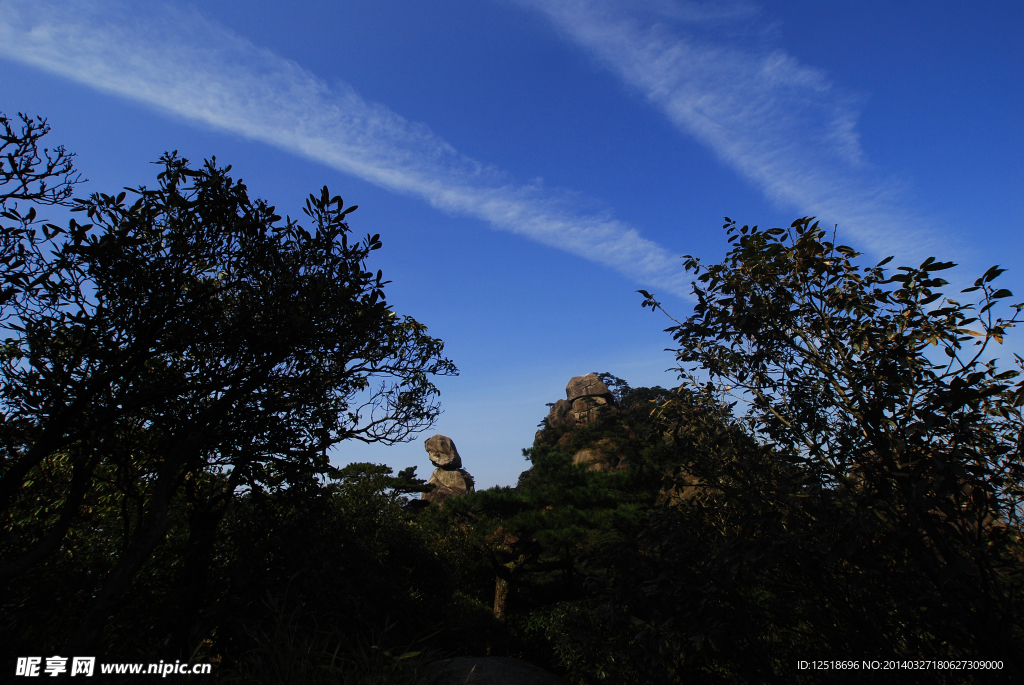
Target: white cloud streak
<point>782,125</point>
<point>178,62</point>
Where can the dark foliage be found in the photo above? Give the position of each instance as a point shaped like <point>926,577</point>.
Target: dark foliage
<point>874,510</point>
<point>528,553</point>
<point>161,360</point>
<point>343,557</point>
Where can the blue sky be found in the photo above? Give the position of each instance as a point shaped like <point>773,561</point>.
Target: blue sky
<point>530,164</point>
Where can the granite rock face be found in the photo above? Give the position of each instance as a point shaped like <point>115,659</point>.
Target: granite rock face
<point>442,452</point>
<point>561,415</point>
<point>586,386</point>
<point>493,670</point>
<point>589,397</point>
<point>598,456</point>
<point>449,484</point>
<point>450,478</point>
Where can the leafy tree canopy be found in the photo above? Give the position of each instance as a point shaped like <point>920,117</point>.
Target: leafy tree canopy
<point>184,334</point>
<point>877,510</point>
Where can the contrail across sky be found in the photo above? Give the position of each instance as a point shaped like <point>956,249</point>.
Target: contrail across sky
<point>179,62</point>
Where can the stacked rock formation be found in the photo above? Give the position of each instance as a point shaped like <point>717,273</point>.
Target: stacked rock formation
<point>450,478</point>
<point>586,397</point>
<point>589,397</point>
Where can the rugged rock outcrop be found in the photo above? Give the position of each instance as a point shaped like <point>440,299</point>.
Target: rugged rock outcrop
<point>561,416</point>
<point>589,396</point>
<point>450,478</point>
<point>597,455</point>
<point>586,398</point>
<point>587,386</point>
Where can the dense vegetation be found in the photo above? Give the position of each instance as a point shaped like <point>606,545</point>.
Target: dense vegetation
<point>839,476</point>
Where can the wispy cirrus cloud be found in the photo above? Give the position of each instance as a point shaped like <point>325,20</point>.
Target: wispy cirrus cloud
<point>178,62</point>
<point>779,123</point>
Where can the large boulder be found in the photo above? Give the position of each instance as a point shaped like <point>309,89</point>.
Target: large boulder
<point>588,397</point>
<point>559,419</point>
<point>493,670</point>
<point>442,452</point>
<point>587,408</point>
<point>560,415</point>
<point>450,479</point>
<point>450,483</point>
<point>587,386</point>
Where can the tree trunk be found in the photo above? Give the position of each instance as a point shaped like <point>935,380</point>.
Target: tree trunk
<point>81,479</point>
<point>204,523</point>
<point>500,597</point>
<point>87,637</point>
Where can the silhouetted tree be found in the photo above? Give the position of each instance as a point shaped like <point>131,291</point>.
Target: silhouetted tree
<point>28,173</point>
<point>174,352</point>
<point>876,510</point>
